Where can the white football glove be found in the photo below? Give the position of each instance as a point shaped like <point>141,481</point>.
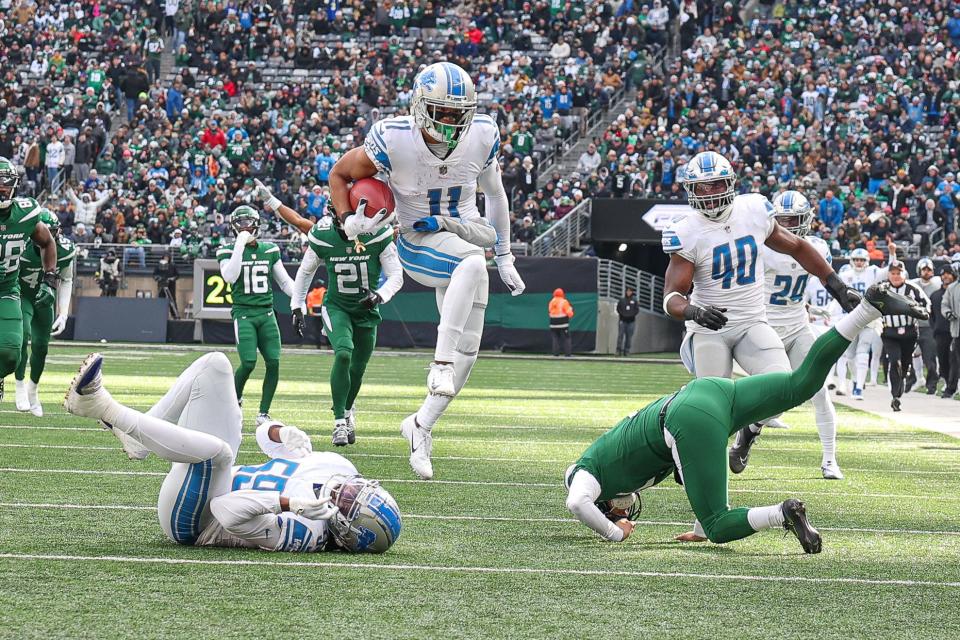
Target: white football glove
<point>509,274</point>
<point>296,441</point>
<point>313,508</point>
<point>358,223</point>
<point>243,238</point>
<point>58,325</point>
<point>264,195</point>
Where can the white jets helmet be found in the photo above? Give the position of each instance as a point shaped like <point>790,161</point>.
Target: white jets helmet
<point>793,211</point>
<point>859,258</point>
<point>444,102</point>
<point>710,184</point>
<point>368,520</point>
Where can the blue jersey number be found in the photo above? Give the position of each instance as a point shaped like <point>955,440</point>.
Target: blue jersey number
<point>823,298</point>
<point>860,286</point>
<point>271,476</point>
<point>453,199</point>
<point>746,264</point>
<point>791,289</point>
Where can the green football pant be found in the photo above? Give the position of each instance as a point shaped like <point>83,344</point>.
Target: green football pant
<point>11,334</point>
<point>37,322</point>
<point>353,342</point>
<point>258,333</point>
<point>702,419</point>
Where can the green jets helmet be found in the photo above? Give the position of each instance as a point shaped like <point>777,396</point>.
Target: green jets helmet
<point>50,219</point>
<point>245,218</point>
<point>9,181</point>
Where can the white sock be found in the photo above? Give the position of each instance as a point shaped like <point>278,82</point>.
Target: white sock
<point>875,366</point>
<point>850,325</point>
<point>863,366</point>
<point>431,410</point>
<point>457,305</point>
<point>765,517</point>
<point>826,417</point>
<point>756,427</point>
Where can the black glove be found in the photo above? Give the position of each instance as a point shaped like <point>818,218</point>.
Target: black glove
<point>847,297</point>
<point>371,300</point>
<point>298,321</point>
<point>709,316</point>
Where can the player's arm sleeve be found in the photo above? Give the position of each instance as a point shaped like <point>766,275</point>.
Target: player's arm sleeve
<point>583,493</point>
<point>250,514</point>
<point>375,146</point>
<point>230,263</point>
<point>769,213</point>
<point>673,239</point>
<point>497,206</point>
<point>283,278</point>
<point>477,232</point>
<point>308,267</point>
<point>65,290</point>
<point>390,264</point>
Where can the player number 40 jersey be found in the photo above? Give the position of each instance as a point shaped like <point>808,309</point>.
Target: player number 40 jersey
<point>423,184</point>
<point>727,258</point>
<point>786,284</point>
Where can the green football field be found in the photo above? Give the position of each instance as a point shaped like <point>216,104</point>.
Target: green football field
<point>487,548</point>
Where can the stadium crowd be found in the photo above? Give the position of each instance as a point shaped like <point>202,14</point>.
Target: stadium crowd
<point>854,103</point>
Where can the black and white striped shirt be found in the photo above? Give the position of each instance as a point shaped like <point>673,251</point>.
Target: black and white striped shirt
<point>910,290</point>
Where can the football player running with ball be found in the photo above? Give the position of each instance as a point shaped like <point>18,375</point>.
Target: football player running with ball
<point>785,286</point>
<point>686,434</point>
<point>717,251</point>
<point>249,266</point>
<point>297,501</point>
<point>350,311</point>
<point>40,317</point>
<point>19,225</point>
<point>433,161</point>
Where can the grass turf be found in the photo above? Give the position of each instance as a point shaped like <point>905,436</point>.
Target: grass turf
<point>476,559</point>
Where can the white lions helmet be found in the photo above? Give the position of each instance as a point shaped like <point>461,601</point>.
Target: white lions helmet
<point>368,520</point>
<point>793,211</point>
<point>924,263</point>
<point>859,258</point>
<point>444,102</point>
<point>710,184</point>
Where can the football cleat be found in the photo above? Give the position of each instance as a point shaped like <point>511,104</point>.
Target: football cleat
<point>891,303</point>
<point>33,398</point>
<point>86,396</point>
<point>831,471</point>
<point>440,380</point>
<point>23,403</point>
<point>351,426</point>
<point>341,436</point>
<point>740,451</point>
<point>133,449</point>
<point>421,446</point>
<point>776,423</point>
<point>857,393</point>
<point>795,521</point>
<point>261,418</point>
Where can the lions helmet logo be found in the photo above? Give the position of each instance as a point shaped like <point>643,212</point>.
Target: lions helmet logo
<point>428,79</point>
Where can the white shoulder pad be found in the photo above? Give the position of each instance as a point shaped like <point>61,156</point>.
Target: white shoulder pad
<point>377,143</point>
<point>490,135</point>
<point>674,237</point>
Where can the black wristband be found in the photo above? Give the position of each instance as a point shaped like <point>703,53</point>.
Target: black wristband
<point>51,278</point>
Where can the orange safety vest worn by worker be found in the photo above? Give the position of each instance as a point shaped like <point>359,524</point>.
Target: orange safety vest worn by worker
<point>315,300</point>
<point>560,310</point>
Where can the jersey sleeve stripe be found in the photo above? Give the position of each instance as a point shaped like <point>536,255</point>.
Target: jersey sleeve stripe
<point>33,214</point>
<point>387,233</point>
<point>493,152</point>
<point>273,250</point>
<point>317,241</point>
<point>380,150</point>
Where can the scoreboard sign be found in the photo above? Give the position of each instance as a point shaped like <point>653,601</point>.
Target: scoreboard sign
<point>212,295</point>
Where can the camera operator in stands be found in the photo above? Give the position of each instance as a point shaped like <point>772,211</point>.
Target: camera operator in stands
<point>900,331</point>
<point>165,274</point>
<point>108,276</point>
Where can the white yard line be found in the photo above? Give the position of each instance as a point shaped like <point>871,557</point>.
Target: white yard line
<point>470,518</point>
<point>487,570</point>
<point>517,485</point>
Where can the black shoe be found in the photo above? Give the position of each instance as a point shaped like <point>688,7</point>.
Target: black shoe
<point>947,394</point>
<point>890,303</point>
<point>895,404</point>
<point>795,520</point>
<point>908,385</point>
<point>740,451</point>
<point>932,392</point>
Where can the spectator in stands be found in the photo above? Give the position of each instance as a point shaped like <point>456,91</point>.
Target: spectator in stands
<point>589,160</point>
<point>86,208</point>
<point>830,210</point>
<point>54,160</point>
<point>135,85</point>
<point>136,248</point>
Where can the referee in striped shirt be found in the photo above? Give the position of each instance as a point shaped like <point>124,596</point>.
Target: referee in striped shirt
<point>900,331</point>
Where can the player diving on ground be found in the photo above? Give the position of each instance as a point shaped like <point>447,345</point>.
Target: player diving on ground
<point>434,161</point>
<point>686,433</point>
<point>350,311</point>
<point>297,501</point>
